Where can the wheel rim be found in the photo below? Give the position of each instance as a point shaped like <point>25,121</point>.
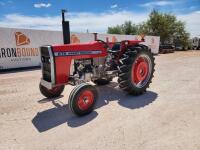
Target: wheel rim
<point>85,100</point>
<point>141,71</point>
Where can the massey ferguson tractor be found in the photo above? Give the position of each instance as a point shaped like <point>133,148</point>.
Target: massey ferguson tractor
<point>98,62</point>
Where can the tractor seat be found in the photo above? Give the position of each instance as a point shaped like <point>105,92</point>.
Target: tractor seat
<point>115,49</point>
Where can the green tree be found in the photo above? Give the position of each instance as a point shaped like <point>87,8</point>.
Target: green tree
<point>127,28</point>
<point>143,28</point>
<point>115,30</point>
<point>167,27</point>
<point>160,24</point>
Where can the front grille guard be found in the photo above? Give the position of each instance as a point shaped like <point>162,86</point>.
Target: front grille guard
<point>52,68</point>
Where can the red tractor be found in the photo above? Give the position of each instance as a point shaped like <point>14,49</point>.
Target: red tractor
<point>98,62</point>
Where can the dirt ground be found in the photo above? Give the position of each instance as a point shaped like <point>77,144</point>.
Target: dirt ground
<point>167,117</point>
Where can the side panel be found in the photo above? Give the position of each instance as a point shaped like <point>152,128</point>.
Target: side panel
<point>62,69</point>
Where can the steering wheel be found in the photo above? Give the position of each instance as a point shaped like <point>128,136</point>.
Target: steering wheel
<point>105,44</point>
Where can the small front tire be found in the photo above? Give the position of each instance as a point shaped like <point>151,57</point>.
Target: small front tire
<point>82,99</point>
<point>51,93</point>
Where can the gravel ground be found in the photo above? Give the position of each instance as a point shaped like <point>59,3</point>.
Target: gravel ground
<point>167,117</point>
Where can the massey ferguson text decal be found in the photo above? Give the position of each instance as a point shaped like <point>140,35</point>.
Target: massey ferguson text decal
<point>77,53</point>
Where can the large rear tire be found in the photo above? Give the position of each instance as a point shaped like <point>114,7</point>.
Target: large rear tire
<point>136,70</point>
<point>82,99</point>
<point>51,93</point>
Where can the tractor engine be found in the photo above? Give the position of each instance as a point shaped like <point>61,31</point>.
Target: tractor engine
<point>83,69</point>
<point>92,69</point>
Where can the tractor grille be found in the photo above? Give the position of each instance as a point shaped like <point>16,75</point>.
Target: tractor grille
<point>46,64</point>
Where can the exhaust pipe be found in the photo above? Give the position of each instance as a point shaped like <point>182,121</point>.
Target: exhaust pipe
<point>65,28</point>
<point>95,36</point>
